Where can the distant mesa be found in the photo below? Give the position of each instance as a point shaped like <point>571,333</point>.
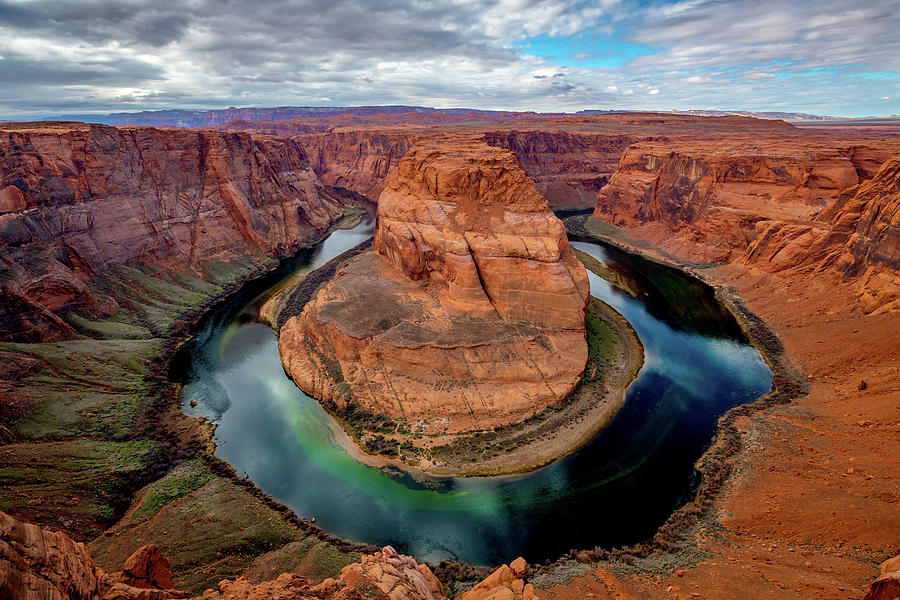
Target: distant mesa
<point>470,312</point>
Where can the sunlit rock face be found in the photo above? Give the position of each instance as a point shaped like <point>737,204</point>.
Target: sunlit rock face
<point>470,312</point>
<point>857,237</point>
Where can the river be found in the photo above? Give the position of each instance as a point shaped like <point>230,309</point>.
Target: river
<point>616,490</point>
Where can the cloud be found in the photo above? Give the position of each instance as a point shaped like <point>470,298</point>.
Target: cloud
<point>120,55</point>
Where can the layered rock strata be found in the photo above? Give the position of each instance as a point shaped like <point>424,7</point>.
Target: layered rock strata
<point>470,313</point>
<point>569,168</point>
<point>709,195</point>
<point>77,199</point>
<point>857,237</point>
<point>357,160</point>
<point>772,207</point>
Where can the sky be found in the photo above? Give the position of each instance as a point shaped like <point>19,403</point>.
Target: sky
<point>839,58</point>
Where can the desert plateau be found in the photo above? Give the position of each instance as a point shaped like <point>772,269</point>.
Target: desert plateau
<point>279,320</point>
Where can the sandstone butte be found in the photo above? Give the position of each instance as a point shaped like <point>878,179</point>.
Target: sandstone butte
<point>76,200</point>
<point>470,312</point>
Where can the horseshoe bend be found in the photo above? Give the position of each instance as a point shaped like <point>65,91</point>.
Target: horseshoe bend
<point>704,356</point>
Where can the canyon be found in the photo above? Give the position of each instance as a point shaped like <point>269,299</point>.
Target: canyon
<point>110,236</point>
<point>77,200</point>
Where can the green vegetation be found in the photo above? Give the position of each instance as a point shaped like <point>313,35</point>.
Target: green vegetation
<point>602,340</point>
<point>110,364</point>
<point>81,485</point>
<point>86,387</point>
<point>212,528</point>
<point>187,477</point>
<point>106,330</point>
<point>94,419</point>
<point>85,444</point>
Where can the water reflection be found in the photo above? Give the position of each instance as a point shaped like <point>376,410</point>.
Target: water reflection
<point>618,489</point>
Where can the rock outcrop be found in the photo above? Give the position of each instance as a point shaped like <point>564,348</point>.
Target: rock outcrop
<point>707,196</point>
<point>506,583</point>
<point>470,314</point>
<point>857,237</point>
<point>41,565</point>
<point>36,564</point>
<point>385,576</point>
<point>77,199</point>
<point>887,585</point>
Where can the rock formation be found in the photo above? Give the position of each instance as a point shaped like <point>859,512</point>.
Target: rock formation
<point>710,194</point>
<point>385,576</point>
<point>36,564</point>
<point>357,160</point>
<point>41,565</point>
<point>887,585</point>
<point>569,168</point>
<point>469,315</point>
<point>76,199</point>
<point>774,206</point>
<point>506,583</point>
<point>858,237</point>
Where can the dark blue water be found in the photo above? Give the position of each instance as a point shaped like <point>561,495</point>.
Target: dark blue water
<point>618,489</point>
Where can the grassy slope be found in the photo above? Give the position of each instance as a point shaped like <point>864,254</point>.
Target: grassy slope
<point>102,422</point>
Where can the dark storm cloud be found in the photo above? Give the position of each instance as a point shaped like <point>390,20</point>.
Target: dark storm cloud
<point>152,23</point>
<point>19,71</point>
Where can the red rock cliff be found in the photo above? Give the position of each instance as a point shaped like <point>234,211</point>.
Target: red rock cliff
<point>569,168</point>
<point>356,160</point>
<point>708,196</point>
<point>777,205</point>
<point>857,237</point>
<point>76,199</point>
<point>470,315</point>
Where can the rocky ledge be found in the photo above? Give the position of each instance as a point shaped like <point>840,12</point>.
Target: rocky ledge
<point>37,564</point>
<point>470,312</point>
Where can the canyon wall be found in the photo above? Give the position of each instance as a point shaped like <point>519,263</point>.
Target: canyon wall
<point>471,313</point>
<point>710,194</point>
<point>569,168</point>
<point>773,205</point>
<point>569,159</point>
<point>77,199</point>
<point>857,237</point>
<point>357,160</point>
